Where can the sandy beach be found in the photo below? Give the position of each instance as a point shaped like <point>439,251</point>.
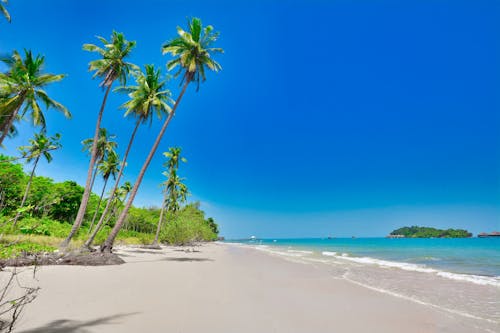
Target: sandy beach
<point>220,288</point>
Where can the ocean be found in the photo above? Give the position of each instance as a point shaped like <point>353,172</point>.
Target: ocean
<point>460,275</point>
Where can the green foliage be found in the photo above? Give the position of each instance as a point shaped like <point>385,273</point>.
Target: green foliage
<point>142,219</point>
<point>14,250</point>
<point>12,182</point>
<point>44,226</point>
<point>67,196</point>
<point>427,232</point>
<point>187,226</point>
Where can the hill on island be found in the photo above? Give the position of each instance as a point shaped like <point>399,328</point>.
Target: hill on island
<point>428,232</point>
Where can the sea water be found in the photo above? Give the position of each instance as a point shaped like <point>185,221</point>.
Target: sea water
<point>459,276</point>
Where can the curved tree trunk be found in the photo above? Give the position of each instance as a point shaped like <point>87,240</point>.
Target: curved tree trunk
<point>98,204</point>
<point>8,124</point>
<point>102,222</point>
<point>90,240</point>
<point>25,196</point>
<point>108,244</point>
<point>160,222</point>
<point>86,194</point>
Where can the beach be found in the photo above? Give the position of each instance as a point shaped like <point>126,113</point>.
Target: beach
<point>221,288</point>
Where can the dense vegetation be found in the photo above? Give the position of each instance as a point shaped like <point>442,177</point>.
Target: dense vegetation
<point>427,232</point>
<point>51,207</point>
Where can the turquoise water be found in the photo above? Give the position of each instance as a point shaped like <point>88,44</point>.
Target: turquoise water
<point>475,256</point>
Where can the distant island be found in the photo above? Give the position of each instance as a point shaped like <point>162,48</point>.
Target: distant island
<point>427,232</point>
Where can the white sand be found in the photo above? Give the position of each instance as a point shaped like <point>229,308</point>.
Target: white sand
<point>222,289</point>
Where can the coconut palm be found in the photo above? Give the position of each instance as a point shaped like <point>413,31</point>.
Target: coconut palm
<point>3,10</point>
<point>105,146</point>
<point>21,91</point>
<point>40,145</point>
<point>174,190</point>
<point>111,67</point>
<point>192,53</point>
<point>108,168</point>
<point>147,97</point>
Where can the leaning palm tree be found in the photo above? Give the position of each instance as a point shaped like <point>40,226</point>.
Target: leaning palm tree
<point>192,51</point>
<point>105,146</point>
<point>111,67</point>
<point>40,145</point>
<point>147,98</point>
<point>174,189</point>
<point>3,10</point>
<point>108,168</point>
<point>21,91</point>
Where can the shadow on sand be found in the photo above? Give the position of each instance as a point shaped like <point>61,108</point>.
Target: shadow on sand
<point>77,326</point>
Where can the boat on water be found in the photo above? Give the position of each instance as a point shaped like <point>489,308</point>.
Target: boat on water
<point>489,234</point>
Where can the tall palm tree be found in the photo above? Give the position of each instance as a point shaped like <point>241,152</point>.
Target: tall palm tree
<point>21,91</point>
<point>105,146</point>
<point>111,67</point>
<point>192,52</point>
<point>40,145</point>
<point>147,98</point>
<point>173,188</point>
<point>108,168</point>
<point>3,10</point>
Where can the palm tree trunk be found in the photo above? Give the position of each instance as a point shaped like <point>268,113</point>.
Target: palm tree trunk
<point>117,183</point>
<point>98,204</point>
<point>108,244</point>
<point>86,194</point>
<point>102,221</point>
<point>8,124</point>
<point>25,196</point>
<point>160,222</point>
<point>94,174</point>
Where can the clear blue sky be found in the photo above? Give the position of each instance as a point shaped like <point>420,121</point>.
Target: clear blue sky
<point>329,117</point>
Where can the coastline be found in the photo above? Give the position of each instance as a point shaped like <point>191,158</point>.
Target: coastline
<point>223,288</point>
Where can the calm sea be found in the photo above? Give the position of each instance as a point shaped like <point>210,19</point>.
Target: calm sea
<point>460,275</point>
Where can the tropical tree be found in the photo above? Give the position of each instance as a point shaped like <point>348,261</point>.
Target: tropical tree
<point>105,146</point>
<point>173,188</point>
<point>148,97</point>
<point>21,91</point>
<point>192,53</point>
<point>4,10</point>
<point>119,196</point>
<point>111,67</point>
<point>40,145</point>
<point>108,168</point>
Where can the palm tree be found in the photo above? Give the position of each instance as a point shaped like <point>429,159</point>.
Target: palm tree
<point>21,88</point>
<point>105,146</point>
<point>39,146</point>
<point>192,51</point>
<point>3,10</point>
<point>111,67</point>
<point>119,196</point>
<point>147,98</point>
<point>175,193</point>
<point>109,167</point>
<point>174,190</point>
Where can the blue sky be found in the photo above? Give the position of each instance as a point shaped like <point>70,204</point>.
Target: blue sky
<point>329,117</point>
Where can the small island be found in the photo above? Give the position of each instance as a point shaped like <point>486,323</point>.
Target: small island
<point>428,232</point>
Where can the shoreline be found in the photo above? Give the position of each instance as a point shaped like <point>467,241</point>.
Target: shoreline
<point>222,288</point>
